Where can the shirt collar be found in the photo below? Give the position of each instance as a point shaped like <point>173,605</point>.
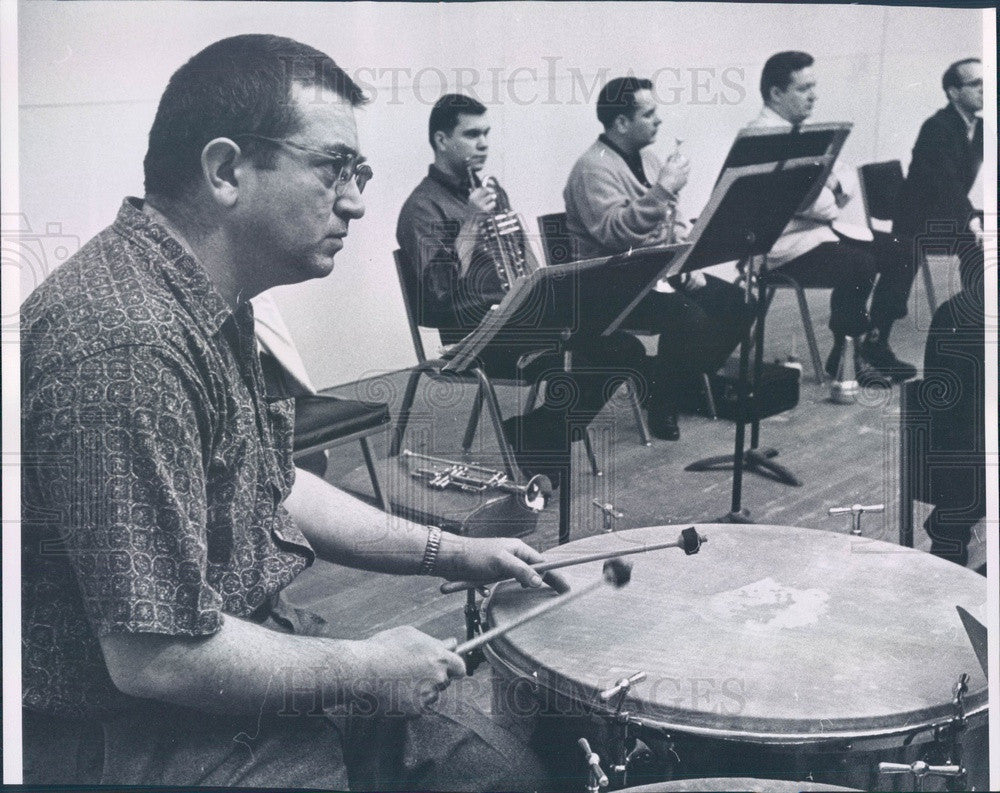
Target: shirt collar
<point>460,187</point>
<point>179,268</point>
<point>772,118</point>
<point>633,161</point>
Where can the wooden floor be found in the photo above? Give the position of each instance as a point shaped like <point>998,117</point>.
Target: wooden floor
<point>843,454</point>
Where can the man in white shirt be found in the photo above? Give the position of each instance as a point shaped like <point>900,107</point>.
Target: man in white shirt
<point>812,249</point>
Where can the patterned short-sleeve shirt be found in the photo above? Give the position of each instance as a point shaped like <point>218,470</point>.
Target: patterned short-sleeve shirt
<point>154,466</point>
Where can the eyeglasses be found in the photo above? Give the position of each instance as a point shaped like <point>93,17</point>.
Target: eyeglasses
<point>344,167</point>
<point>977,83</point>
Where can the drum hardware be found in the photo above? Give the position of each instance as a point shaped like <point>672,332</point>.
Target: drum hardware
<point>920,770</point>
<point>616,572</point>
<point>635,757</point>
<point>856,511</point>
<point>621,687</point>
<point>946,745</point>
<point>534,494</point>
<point>473,627</point>
<point>690,540</point>
<point>608,514</point>
<point>596,778</point>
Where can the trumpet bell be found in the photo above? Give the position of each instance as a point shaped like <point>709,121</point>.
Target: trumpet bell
<point>537,492</point>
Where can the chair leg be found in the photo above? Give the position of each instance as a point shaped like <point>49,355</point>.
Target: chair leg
<point>373,474</point>
<point>640,420</point>
<point>807,326</point>
<point>532,398</point>
<point>493,409</point>
<point>706,384</point>
<point>470,429</point>
<point>925,268</point>
<point>404,412</point>
<point>588,442</point>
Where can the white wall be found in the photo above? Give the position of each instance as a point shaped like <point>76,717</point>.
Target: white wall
<point>91,74</point>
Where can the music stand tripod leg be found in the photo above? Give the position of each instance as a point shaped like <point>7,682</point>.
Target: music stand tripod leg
<point>753,459</point>
<point>756,459</point>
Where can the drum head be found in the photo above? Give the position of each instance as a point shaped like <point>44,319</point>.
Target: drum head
<point>728,785</point>
<point>769,634</point>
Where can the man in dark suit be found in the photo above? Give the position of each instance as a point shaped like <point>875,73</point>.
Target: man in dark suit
<point>934,202</point>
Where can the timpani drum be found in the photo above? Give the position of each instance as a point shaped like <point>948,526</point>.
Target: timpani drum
<point>775,652</point>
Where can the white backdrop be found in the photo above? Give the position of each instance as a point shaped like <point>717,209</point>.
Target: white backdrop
<point>91,74</point>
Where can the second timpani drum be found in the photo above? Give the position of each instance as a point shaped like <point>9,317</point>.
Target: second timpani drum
<point>775,651</point>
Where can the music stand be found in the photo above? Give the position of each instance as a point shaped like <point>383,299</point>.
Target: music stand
<point>759,145</point>
<point>552,305</point>
<point>746,213</point>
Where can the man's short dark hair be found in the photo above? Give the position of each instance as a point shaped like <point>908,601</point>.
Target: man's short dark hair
<point>241,84</point>
<point>952,77</point>
<point>617,98</point>
<point>779,69</point>
<point>445,113</point>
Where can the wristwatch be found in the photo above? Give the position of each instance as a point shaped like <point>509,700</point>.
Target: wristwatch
<point>429,562</point>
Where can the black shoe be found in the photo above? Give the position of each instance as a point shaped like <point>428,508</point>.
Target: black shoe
<point>832,367</point>
<point>663,425</point>
<point>867,375</point>
<point>881,356</point>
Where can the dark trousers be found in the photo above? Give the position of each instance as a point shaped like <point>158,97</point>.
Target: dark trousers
<point>600,365</point>
<point>955,382</point>
<point>899,259</point>
<point>699,329</point>
<point>849,267</point>
<point>454,746</point>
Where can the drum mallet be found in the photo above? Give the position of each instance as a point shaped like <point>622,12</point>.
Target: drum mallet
<point>616,572</point>
<point>597,778</point>
<point>920,770</point>
<point>690,540</point>
<point>856,511</point>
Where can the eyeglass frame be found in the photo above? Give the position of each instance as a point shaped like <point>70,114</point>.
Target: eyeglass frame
<point>360,172</point>
<point>975,83</point>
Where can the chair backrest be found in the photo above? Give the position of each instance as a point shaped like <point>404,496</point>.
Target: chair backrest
<point>410,287</point>
<point>881,183</point>
<point>556,240</point>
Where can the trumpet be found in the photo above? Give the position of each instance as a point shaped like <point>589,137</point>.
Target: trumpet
<point>533,494</point>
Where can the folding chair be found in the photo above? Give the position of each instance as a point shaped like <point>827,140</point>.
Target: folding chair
<point>881,183</point>
<point>558,246</point>
<point>485,391</point>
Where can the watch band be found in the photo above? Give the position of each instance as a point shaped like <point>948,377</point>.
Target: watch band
<point>429,561</point>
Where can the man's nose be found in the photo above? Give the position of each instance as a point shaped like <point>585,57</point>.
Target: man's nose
<point>350,203</point>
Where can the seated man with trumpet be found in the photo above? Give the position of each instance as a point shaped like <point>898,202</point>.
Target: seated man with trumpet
<point>467,246</point>
<point>620,196</point>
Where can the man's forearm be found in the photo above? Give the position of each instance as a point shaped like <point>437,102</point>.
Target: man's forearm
<point>347,531</point>
<point>243,668</point>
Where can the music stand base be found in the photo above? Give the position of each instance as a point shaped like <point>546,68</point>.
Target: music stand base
<point>740,516</point>
<point>757,460</point>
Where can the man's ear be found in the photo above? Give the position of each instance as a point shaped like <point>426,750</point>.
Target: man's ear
<point>620,123</point>
<point>439,138</point>
<point>219,160</point>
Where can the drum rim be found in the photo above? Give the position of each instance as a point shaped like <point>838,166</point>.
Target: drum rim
<point>781,731</point>
<point>542,678</point>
